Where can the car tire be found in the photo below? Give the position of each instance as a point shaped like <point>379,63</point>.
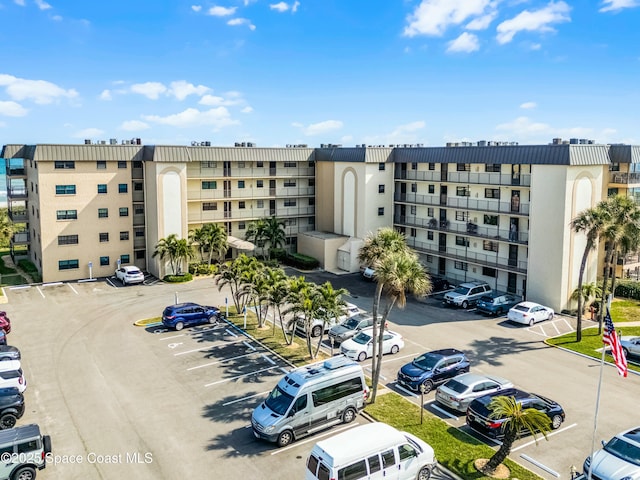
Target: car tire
<point>316,331</point>
<point>550,316</point>
<point>424,473</point>
<point>349,415</point>
<point>179,326</point>
<point>498,312</point>
<point>531,322</point>
<point>362,356</point>
<point>24,473</point>
<point>285,438</point>
<point>395,349</point>
<point>465,304</point>
<point>556,421</point>
<point>213,319</point>
<point>8,420</point>
<point>624,351</point>
<point>426,386</point>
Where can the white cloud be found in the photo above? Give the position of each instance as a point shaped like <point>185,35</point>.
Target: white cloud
<point>534,21</point>
<point>105,95</point>
<point>216,101</point>
<point>134,125</point>
<point>523,126</point>
<point>535,46</point>
<point>221,11</point>
<point>12,109</point>
<point>39,91</point>
<point>408,128</point>
<point>432,17</point>
<point>42,5</point>
<point>150,90</point>
<point>466,42</point>
<point>19,2</point>
<point>294,7</point>
<point>528,105</point>
<point>196,8</point>
<point>192,117</point>
<point>320,127</point>
<point>247,109</point>
<point>616,5</point>
<point>281,7</point>
<point>483,22</point>
<point>88,133</point>
<point>57,18</point>
<point>241,21</point>
<point>181,89</point>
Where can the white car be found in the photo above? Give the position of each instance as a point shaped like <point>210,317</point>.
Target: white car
<point>129,274</point>
<point>360,347</point>
<point>529,313</point>
<point>368,273</point>
<point>350,310</point>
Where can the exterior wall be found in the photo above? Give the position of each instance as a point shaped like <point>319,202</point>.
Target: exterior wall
<point>323,247</point>
<point>325,196</point>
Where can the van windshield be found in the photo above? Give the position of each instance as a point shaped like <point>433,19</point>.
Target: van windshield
<point>278,401</point>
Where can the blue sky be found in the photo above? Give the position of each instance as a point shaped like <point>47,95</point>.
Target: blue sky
<point>322,71</point>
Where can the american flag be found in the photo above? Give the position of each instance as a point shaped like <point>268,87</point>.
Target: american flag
<point>610,337</point>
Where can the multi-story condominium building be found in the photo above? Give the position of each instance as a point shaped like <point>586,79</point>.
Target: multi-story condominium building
<point>498,213</point>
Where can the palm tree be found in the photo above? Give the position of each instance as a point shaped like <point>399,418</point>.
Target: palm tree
<point>274,233</point>
<point>216,241</point>
<point>518,420</point>
<point>333,306</point>
<point>230,275</point>
<point>198,237</point>
<point>586,295</point>
<point>306,302</point>
<point>276,295</point>
<point>167,248</point>
<point>590,222</point>
<point>183,253</point>
<point>255,233</point>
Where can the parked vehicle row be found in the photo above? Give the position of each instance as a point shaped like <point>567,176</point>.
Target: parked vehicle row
<point>319,326</point>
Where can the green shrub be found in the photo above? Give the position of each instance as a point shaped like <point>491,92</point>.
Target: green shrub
<point>303,262</point>
<point>27,266</point>
<point>185,277</point>
<point>278,254</point>
<point>193,268</point>
<point>628,289</point>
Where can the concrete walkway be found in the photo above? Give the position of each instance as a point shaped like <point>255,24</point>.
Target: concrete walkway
<point>8,262</point>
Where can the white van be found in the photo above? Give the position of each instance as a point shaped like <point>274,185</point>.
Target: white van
<point>311,398</point>
<point>371,451</point>
<point>11,375</point>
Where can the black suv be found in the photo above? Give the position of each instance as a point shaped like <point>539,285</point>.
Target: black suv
<point>11,407</point>
<point>432,368</point>
<point>478,411</point>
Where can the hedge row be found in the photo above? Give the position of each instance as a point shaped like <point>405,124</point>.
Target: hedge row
<point>296,260</point>
<point>628,289</point>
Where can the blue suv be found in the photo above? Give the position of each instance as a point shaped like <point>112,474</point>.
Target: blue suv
<point>432,368</point>
<point>187,314</point>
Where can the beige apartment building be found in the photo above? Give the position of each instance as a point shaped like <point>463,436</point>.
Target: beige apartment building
<point>493,212</point>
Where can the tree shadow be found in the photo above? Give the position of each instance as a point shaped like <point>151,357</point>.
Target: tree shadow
<point>493,349</point>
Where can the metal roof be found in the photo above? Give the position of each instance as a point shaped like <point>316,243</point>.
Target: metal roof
<point>625,153</point>
<point>357,154</point>
<point>163,153</point>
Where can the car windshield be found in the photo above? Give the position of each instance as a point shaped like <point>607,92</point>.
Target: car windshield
<point>521,308</point>
<point>279,401</point>
<point>362,338</point>
<point>461,290</point>
<point>486,299</point>
<point>427,361</point>
<point>351,324</point>
<point>624,450</point>
<point>456,386</point>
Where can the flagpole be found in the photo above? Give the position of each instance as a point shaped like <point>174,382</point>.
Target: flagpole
<point>595,417</point>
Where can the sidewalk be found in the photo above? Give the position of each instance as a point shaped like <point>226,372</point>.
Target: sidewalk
<point>8,262</point>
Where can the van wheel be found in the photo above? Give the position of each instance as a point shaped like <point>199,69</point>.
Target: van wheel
<point>8,420</point>
<point>349,415</point>
<point>424,474</point>
<point>24,473</point>
<point>179,326</point>
<point>465,304</point>
<point>316,331</point>
<point>362,356</point>
<point>285,438</point>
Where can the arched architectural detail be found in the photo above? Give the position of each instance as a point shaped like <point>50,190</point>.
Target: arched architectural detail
<point>349,202</point>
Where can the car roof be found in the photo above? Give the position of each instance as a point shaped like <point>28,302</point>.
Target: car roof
<point>8,348</point>
<point>528,304</point>
<point>130,267</point>
<point>472,284</point>
<point>632,436</point>
<point>470,378</point>
<point>446,352</point>
<point>369,331</point>
<point>8,365</point>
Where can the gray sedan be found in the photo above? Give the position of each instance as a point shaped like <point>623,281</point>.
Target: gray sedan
<point>458,392</point>
<point>630,346</point>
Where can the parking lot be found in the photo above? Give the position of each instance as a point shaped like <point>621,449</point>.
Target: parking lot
<point>150,403</point>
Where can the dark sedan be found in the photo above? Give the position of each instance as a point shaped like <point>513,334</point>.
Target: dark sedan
<point>432,368</point>
<point>187,314</point>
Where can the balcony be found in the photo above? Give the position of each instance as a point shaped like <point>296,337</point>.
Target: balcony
<point>249,173</point>
<point>624,178</point>
<point>249,214</point>
<point>484,178</point>
<point>465,203</point>
<point>249,193</point>
<point>16,172</point>
<point>16,192</point>
<point>20,238</point>
<point>17,215</point>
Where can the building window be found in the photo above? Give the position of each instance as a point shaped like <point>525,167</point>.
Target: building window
<point>36,188</point>
<point>104,261</point>
<point>102,188</point>
<point>137,186</point>
<point>241,165</point>
<point>312,182</point>
<point>490,246</point>
<point>137,164</point>
<point>101,164</point>
<point>429,235</point>
<point>260,203</point>
<point>463,167</point>
<point>104,237</point>
<point>430,211</point>
<point>460,266</point>
<point>291,221</point>
<point>67,214</point>
<point>67,239</point>
<point>414,187</point>
<point>67,165</point>
<point>312,221</point>
<point>432,189</point>
<point>492,167</point>
<point>312,201</point>
<point>432,166</point>
<point>122,188</point>
<point>412,232</point>
<point>260,164</point>
<point>124,235</point>
<point>140,233</point>
<point>289,183</point>
<point>380,188</point>
<point>381,167</point>
<point>413,210</point>
<point>462,192</point>
<point>209,185</point>
<point>289,164</point>
<point>259,183</point>
<point>122,164</point>
<point>462,241</point>
<point>124,211</point>
<point>614,167</point>
<point>381,210</point>
<point>138,210</point>
<point>241,226</point>
<point>290,202</point>
<point>612,192</point>
<point>240,183</point>
<point>103,213</point>
<point>65,189</point>
<point>462,216</point>
<point>491,220</point>
<point>209,206</point>
<point>208,164</point>
<point>124,259</point>
<point>68,264</point>
<point>489,272</point>
<point>414,165</point>
<point>491,193</point>
<point>241,204</point>
<point>140,254</point>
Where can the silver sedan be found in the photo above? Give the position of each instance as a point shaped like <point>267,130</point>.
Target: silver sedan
<point>630,346</point>
<point>458,392</point>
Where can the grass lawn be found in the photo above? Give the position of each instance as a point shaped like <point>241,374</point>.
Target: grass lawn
<point>454,449</point>
<point>625,310</point>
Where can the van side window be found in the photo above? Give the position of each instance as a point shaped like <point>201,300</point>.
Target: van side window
<point>312,464</point>
<point>406,451</point>
<point>323,472</point>
<point>374,464</point>
<point>388,459</point>
<point>354,471</point>
<point>337,391</point>
<point>301,403</point>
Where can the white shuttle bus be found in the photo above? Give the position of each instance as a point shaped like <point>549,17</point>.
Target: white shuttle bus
<point>311,398</point>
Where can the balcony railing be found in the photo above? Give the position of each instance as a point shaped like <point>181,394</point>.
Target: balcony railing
<point>20,238</point>
<point>249,214</point>
<point>17,192</point>
<point>466,228</point>
<point>485,178</point>
<point>250,193</point>
<point>18,214</point>
<point>16,172</point>
<point>624,178</point>
<point>249,173</point>
<point>465,203</point>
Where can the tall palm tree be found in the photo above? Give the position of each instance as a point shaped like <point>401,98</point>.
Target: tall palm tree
<point>198,237</point>
<point>276,295</point>
<point>518,420</point>
<point>230,275</point>
<point>167,248</point>
<point>590,222</point>
<point>274,233</point>
<point>216,241</point>
<point>333,306</point>
<point>183,252</point>
<point>256,233</point>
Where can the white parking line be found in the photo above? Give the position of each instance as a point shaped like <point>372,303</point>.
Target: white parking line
<point>240,376</point>
<point>220,361</point>
<point>394,358</point>
<point>173,336</point>
<point>245,398</point>
<point>332,431</point>
<point>548,435</point>
<point>542,466</point>
<point>229,332</point>
<point>442,411</point>
<point>110,283</point>
<point>248,345</point>
<point>40,292</point>
<point>408,392</point>
<point>74,290</point>
<point>268,359</point>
